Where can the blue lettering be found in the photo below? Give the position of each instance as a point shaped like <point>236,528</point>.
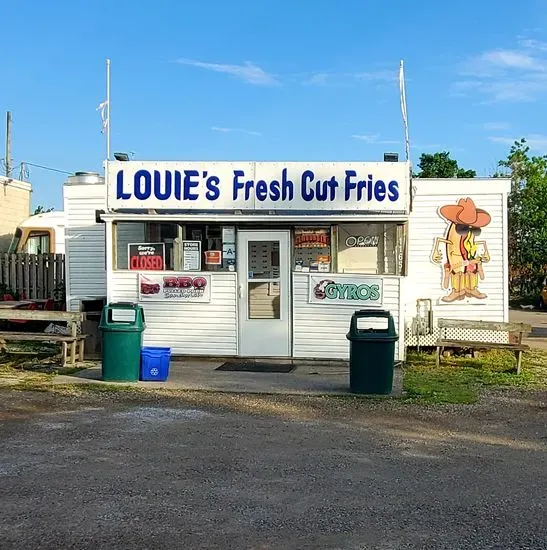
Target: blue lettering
<point>287,186</point>
<point>393,188</point>
<point>120,193</point>
<point>143,192</point>
<point>261,190</point>
<point>349,184</point>
<point>190,184</point>
<point>178,185</point>
<point>322,191</point>
<point>361,188</point>
<point>238,184</point>
<point>370,188</point>
<point>333,184</point>
<point>275,191</point>
<point>213,192</point>
<point>380,191</point>
<point>307,177</point>
<point>158,193</point>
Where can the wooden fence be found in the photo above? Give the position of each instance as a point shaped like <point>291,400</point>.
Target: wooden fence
<point>38,276</point>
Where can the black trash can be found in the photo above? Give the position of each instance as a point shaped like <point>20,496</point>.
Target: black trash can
<point>372,339</point>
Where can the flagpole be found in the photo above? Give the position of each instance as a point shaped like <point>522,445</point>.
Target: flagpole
<point>403,108</point>
<point>108,109</point>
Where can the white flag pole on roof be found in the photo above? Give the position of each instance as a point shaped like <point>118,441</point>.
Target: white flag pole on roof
<point>403,108</point>
<point>104,109</point>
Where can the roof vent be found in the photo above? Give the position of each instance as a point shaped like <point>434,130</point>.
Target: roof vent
<point>85,178</point>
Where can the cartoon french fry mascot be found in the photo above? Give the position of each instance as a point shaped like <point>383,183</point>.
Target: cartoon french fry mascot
<point>464,254</point>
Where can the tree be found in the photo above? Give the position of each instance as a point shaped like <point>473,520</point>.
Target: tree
<point>527,207</point>
<point>440,165</point>
<point>41,210</point>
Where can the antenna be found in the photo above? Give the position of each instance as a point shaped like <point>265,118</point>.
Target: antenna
<point>8,144</point>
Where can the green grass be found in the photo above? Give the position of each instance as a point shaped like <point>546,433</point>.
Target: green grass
<point>460,380</point>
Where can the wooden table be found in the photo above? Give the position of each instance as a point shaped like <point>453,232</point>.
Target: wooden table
<point>14,304</point>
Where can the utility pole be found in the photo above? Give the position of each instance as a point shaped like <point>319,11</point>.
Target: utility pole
<point>8,144</point>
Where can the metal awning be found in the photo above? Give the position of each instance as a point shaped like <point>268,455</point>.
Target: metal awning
<point>246,217</point>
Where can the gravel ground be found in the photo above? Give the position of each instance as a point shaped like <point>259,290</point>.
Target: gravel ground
<point>198,470</point>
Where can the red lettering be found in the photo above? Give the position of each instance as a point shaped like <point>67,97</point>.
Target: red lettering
<point>146,263</point>
<point>200,282</point>
<point>184,282</point>
<point>169,282</point>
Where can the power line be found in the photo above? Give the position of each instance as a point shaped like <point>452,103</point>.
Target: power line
<point>47,168</point>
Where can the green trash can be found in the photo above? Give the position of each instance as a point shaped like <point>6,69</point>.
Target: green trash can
<point>372,339</point>
<point>122,326</point>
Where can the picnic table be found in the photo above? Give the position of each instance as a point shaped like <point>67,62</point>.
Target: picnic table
<point>15,304</point>
<point>22,304</point>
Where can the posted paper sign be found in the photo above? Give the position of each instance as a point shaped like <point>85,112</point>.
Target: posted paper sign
<point>179,287</point>
<point>191,255</point>
<point>350,290</point>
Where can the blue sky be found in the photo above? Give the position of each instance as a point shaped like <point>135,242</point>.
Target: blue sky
<point>270,80</point>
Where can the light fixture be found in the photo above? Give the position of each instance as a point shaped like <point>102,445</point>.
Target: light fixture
<point>391,157</point>
<point>121,156</point>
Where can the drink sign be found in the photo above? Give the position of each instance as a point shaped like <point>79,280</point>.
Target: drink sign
<point>146,256</point>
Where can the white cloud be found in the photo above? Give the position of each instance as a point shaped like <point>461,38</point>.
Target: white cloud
<point>319,79</point>
<point>518,74</point>
<point>385,75</point>
<point>374,138</point>
<point>248,72</point>
<point>536,142</point>
<point>342,79</point>
<point>531,44</point>
<point>224,130</point>
<point>495,126</point>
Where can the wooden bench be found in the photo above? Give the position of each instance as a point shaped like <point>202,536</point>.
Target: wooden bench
<point>73,341</point>
<point>445,325</point>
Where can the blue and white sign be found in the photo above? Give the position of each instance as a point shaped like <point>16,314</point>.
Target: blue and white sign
<point>289,186</point>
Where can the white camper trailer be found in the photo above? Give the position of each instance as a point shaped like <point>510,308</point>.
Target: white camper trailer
<point>40,234</point>
<point>271,259</point>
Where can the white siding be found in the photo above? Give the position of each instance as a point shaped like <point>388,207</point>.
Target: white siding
<point>425,278</point>
<point>319,331</point>
<point>187,328</point>
<point>85,242</point>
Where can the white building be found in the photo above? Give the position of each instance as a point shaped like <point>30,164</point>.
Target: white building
<point>271,259</point>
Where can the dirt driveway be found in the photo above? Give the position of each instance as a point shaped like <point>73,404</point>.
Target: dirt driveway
<point>202,470</point>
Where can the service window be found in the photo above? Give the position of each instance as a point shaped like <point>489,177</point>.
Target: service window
<point>195,247</point>
<point>371,248</point>
<point>312,249</point>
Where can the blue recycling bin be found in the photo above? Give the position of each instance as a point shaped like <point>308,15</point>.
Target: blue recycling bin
<point>155,364</point>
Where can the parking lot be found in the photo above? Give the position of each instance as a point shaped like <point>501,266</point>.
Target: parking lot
<point>203,470</point>
<point>538,320</point>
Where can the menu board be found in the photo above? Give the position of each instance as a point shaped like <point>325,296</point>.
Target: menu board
<point>191,255</point>
<point>146,256</point>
